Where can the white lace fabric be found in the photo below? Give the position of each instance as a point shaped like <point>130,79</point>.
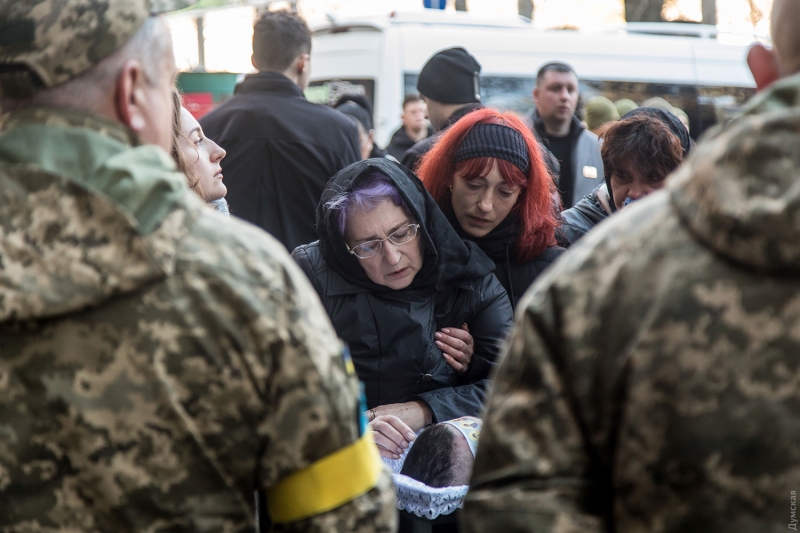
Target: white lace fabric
<point>418,498</point>
<point>427,502</point>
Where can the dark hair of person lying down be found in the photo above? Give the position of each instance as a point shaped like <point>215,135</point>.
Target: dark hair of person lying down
<point>431,459</point>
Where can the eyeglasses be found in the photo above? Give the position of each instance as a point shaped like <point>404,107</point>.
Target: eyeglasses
<point>401,236</point>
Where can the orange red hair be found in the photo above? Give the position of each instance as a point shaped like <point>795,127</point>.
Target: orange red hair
<point>535,207</point>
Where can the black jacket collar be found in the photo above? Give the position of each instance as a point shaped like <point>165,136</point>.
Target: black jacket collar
<point>268,81</point>
<point>458,114</point>
<point>499,244</point>
<point>400,137</point>
<point>575,128</point>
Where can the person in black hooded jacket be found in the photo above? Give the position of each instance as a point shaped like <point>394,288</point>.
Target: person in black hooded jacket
<point>489,177</point>
<point>358,108</point>
<point>391,273</point>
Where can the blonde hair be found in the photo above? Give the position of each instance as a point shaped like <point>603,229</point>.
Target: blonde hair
<point>177,134</point>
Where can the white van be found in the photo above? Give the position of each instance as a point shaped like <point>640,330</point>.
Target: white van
<point>382,56</point>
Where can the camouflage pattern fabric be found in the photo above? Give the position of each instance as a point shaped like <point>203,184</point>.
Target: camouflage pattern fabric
<point>59,39</point>
<point>652,383</point>
<point>158,362</point>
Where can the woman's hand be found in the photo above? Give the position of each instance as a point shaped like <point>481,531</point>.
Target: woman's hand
<point>457,347</point>
<point>394,425</point>
<point>392,435</point>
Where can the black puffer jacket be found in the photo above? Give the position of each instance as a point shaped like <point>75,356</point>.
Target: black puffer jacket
<point>391,332</point>
<point>499,244</point>
<point>401,142</point>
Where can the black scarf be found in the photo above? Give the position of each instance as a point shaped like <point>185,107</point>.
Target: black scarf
<point>499,243</point>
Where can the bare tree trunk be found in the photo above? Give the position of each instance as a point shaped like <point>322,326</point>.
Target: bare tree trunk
<point>461,5</point>
<point>709,12</point>
<point>201,45</point>
<point>525,8</point>
<point>643,10</point>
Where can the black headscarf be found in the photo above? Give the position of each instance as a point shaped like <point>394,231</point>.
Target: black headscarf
<point>670,121</point>
<point>358,107</point>
<point>446,257</point>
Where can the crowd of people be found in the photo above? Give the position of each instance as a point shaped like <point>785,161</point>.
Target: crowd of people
<point>167,365</point>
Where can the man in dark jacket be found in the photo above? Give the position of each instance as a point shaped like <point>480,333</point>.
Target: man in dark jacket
<point>450,85</point>
<point>414,129</point>
<point>281,148</point>
<point>556,126</point>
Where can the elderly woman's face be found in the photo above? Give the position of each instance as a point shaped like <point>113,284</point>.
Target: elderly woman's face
<point>395,265</point>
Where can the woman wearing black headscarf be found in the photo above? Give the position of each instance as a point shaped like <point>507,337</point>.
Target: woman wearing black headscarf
<point>639,152</point>
<point>391,272</point>
<point>358,108</point>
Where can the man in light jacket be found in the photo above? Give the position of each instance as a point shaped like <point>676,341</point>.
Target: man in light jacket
<point>554,123</point>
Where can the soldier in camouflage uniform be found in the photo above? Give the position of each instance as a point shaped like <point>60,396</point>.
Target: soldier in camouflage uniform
<point>158,363</point>
<point>652,383</point>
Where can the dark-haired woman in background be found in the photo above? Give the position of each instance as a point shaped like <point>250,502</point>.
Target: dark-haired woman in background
<point>488,176</point>
<point>358,109</point>
<point>638,152</point>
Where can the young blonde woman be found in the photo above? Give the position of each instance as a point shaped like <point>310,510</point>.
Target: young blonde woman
<point>198,157</point>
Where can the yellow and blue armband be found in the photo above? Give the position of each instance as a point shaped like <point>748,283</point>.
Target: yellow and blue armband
<point>327,484</point>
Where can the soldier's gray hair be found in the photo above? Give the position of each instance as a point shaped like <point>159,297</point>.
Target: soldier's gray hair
<point>151,46</point>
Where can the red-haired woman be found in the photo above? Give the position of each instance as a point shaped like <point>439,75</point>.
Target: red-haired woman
<point>488,176</point>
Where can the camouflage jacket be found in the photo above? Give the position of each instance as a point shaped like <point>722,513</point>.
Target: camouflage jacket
<point>158,363</point>
<point>652,383</point>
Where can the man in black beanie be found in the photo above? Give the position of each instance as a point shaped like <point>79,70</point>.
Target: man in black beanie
<point>450,85</point>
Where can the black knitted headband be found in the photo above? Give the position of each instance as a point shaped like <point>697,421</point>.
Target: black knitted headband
<point>495,140</point>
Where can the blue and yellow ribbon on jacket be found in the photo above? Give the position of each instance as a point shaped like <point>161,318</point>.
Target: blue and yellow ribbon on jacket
<point>327,484</point>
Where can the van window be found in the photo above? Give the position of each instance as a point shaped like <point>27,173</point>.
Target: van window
<point>704,105</point>
<point>502,92</point>
<point>329,91</point>
<point>720,104</point>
